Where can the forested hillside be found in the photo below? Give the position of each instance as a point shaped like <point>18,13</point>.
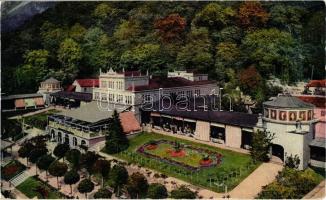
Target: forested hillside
<point>239,43</point>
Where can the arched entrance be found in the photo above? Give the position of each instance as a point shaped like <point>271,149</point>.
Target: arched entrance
<point>278,151</point>
<point>52,134</point>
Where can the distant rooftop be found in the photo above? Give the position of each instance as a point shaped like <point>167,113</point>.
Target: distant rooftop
<point>73,95</point>
<point>317,83</point>
<point>158,82</point>
<point>90,112</point>
<point>88,82</point>
<point>288,101</point>
<point>318,101</point>
<point>51,80</point>
<point>21,96</point>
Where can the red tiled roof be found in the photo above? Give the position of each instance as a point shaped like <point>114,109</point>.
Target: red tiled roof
<point>129,122</point>
<point>19,103</point>
<point>319,102</point>
<point>317,83</point>
<point>71,88</point>
<point>88,82</point>
<point>170,82</point>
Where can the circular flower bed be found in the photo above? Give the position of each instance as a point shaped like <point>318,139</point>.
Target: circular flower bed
<point>206,162</point>
<point>151,146</point>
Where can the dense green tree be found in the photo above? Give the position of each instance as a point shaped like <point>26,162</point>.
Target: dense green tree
<point>103,193</point>
<point>77,32</point>
<point>25,150</point>
<point>214,16</point>
<point>85,186</point>
<point>116,140</point>
<point>196,54</point>
<point>144,57</point>
<point>58,169</point>
<point>60,150</point>
<point>118,177</point>
<point>69,55</point>
<point>71,177</point>
<point>137,186</point>
<point>171,28</point>
<point>87,161</point>
<point>157,191</point>
<point>102,167</point>
<point>251,15</point>
<point>73,156</point>
<point>274,52</point>
<point>292,161</point>
<point>44,163</point>
<point>35,154</point>
<point>183,193</point>
<point>261,143</point>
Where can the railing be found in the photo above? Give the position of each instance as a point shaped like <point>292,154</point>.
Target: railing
<point>81,133</point>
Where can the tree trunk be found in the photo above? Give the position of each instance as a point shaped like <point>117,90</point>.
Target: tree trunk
<point>46,175</point>
<point>70,189</point>
<point>85,195</point>
<point>102,182</point>
<point>35,170</point>
<point>58,182</point>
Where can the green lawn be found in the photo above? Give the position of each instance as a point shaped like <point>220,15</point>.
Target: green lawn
<point>40,120</point>
<point>32,186</point>
<point>233,169</point>
<point>11,170</point>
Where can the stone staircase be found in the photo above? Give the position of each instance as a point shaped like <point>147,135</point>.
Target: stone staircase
<point>19,178</point>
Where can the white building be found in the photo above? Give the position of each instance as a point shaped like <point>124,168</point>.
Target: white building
<point>48,87</point>
<point>292,122</point>
<point>132,88</point>
<point>192,76</point>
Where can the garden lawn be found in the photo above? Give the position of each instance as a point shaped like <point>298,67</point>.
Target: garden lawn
<point>232,170</point>
<point>32,185</point>
<point>40,120</point>
<point>11,170</point>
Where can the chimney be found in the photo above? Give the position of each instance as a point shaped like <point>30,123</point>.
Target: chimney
<point>260,121</point>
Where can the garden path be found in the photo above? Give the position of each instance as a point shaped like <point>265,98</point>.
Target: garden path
<point>252,185</point>
<point>318,192</point>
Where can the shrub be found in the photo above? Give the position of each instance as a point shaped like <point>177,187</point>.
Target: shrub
<point>137,185</point>
<point>183,193</point>
<point>103,193</point>
<point>85,186</point>
<point>157,191</point>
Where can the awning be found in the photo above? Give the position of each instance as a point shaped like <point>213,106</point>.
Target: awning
<point>189,120</point>
<point>218,125</point>
<point>19,103</point>
<point>178,118</point>
<point>167,116</point>
<point>248,129</point>
<point>155,114</point>
<point>318,142</point>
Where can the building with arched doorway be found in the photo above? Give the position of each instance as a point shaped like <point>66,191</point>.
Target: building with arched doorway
<point>292,123</point>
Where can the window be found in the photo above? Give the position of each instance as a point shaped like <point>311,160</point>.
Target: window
<point>197,92</point>
<point>120,98</point>
<point>103,84</point>
<point>96,95</point>
<point>147,97</point>
<point>189,93</point>
<point>83,142</point>
<point>59,137</point>
<point>104,97</point>
<point>128,100</point>
<point>75,143</point>
<point>111,97</point>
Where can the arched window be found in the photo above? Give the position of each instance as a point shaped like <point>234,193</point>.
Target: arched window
<point>52,134</point>
<point>75,141</point>
<point>83,142</point>
<point>59,137</point>
<point>67,139</point>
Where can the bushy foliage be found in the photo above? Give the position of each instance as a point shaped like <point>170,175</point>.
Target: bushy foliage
<point>103,193</point>
<point>60,150</point>
<point>261,141</point>
<point>137,185</point>
<point>157,191</point>
<point>85,186</point>
<point>118,177</point>
<point>116,140</point>
<point>290,184</point>
<point>183,193</point>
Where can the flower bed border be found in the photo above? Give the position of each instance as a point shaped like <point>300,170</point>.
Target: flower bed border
<point>218,161</point>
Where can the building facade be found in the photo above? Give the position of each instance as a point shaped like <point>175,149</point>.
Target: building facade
<point>132,88</point>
